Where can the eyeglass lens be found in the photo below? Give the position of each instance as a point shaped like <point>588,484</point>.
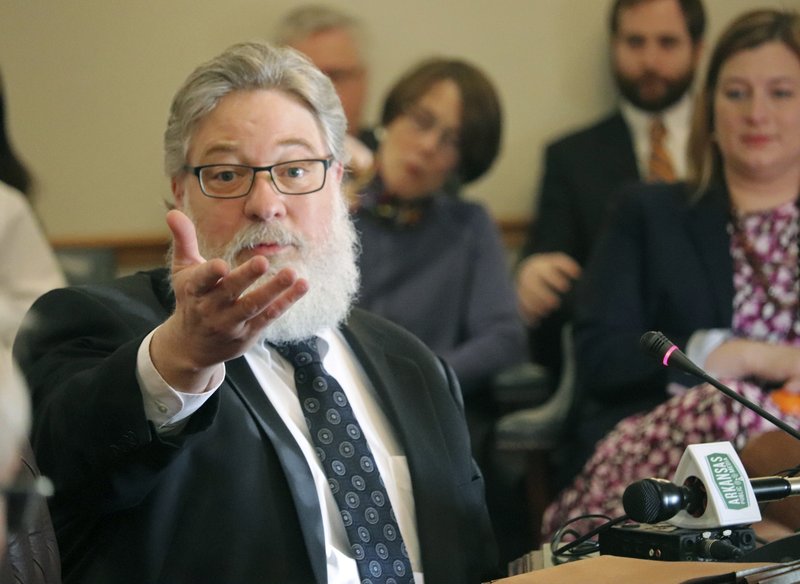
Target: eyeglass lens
<point>425,121</point>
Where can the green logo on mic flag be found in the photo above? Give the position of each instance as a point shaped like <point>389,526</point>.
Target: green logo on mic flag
<point>729,480</point>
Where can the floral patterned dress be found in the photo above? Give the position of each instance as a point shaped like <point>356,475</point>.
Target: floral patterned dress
<point>765,307</point>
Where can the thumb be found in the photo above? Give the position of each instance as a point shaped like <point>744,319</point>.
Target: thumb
<point>185,248</point>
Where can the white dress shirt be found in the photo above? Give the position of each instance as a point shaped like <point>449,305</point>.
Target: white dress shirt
<point>169,410</point>
<point>677,120</point>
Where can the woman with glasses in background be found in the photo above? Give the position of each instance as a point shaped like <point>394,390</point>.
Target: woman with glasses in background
<point>431,261</point>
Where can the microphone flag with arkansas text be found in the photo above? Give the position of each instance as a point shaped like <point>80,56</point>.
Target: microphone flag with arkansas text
<point>716,468</point>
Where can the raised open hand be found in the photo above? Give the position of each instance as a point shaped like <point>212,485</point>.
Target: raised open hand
<point>217,317</point>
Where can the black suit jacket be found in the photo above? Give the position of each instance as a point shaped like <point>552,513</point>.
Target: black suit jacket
<point>663,264</point>
<point>231,499</point>
<point>582,171</point>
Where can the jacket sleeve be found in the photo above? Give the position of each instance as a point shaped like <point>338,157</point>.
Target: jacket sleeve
<point>77,349</point>
<point>612,310</point>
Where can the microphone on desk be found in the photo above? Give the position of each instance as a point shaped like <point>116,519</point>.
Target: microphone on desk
<point>660,347</point>
<point>656,500</point>
<point>709,490</point>
<point>713,468</point>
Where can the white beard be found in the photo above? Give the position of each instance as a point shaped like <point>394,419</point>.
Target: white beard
<point>329,266</point>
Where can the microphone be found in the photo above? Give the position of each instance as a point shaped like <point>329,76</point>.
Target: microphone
<point>656,500</point>
<point>660,347</point>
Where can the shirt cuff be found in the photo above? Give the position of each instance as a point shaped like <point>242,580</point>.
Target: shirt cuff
<point>167,408</point>
<point>704,342</point>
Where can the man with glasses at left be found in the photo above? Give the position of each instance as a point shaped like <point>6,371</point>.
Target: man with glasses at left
<point>230,419</point>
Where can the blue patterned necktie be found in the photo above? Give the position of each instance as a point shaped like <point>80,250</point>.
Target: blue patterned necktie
<point>354,479</point>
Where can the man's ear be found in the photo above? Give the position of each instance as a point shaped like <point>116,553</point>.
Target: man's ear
<point>337,168</point>
<point>177,191</point>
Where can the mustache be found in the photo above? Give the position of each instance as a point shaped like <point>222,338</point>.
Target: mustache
<point>253,235</point>
<point>650,76</point>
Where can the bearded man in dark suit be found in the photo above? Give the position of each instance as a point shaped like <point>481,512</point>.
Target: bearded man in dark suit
<point>166,405</point>
<point>655,49</point>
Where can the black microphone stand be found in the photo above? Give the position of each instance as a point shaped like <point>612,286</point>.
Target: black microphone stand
<point>659,346</point>
<point>666,351</point>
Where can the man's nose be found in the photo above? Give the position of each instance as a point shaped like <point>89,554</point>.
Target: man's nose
<point>264,202</point>
<point>651,56</point>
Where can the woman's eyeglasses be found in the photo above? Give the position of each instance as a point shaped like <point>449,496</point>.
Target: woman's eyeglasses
<point>424,121</point>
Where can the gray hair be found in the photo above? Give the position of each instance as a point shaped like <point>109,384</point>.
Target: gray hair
<point>305,21</point>
<point>247,67</point>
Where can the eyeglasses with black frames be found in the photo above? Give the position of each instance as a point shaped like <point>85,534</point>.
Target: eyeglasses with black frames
<point>231,181</point>
<point>23,500</point>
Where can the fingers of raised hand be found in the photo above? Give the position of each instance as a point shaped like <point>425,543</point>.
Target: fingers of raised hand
<point>216,289</point>
<point>234,299</point>
<point>219,317</point>
<point>270,300</point>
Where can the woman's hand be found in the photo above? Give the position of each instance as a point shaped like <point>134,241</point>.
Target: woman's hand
<point>740,358</point>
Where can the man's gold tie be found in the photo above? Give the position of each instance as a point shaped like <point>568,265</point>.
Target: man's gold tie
<point>660,168</point>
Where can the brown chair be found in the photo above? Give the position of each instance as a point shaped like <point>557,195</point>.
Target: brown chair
<point>32,555</point>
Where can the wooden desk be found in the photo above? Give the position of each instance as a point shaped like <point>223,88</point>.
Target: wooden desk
<point>615,570</point>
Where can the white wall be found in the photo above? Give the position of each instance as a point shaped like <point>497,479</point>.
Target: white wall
<point>88,85</point>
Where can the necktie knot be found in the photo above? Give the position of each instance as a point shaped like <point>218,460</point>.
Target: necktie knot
<point>657,131</point>
<point>300,353</point>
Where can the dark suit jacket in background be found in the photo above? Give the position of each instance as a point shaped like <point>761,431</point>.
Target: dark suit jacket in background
<point>581,173</point>
<point>663,264</point>
<point>231,499</point>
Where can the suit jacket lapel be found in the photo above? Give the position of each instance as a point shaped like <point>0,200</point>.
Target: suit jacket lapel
<point>622,155</point>
<point>403,390</point>
<point>298,475</point>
